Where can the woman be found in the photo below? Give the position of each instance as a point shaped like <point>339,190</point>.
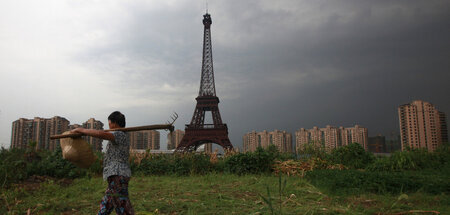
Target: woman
<point>116,169</point>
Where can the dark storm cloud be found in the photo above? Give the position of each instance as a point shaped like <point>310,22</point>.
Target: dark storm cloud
<point>346,70</point>
<point>292,64</point>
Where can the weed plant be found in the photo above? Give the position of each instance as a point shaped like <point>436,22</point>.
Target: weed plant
<point>173,164</point>
<point>353,156</point>
<point>19,164</point>
<point>414,159</point>
<point>269,200</point>
<point>358,182</point>
<point>260,161</point>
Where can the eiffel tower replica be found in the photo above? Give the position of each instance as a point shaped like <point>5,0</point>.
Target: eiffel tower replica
<point>197,132</point>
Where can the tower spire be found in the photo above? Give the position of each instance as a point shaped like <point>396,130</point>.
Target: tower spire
<point>207,87</point>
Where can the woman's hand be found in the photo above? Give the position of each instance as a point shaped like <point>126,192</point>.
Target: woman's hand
<point>78,130</point>
<point>94,133</point>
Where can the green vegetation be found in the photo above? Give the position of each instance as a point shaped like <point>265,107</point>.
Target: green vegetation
<point>357,181</point>
<point>212,194</point>
<point>173,164</point>
<point>260,161</point>
<point>347,180</point>
<point>18,164</point>
<point>353,156</point>
<point>416,159</point>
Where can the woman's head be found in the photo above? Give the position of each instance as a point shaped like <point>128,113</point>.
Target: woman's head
<point>117,118</point>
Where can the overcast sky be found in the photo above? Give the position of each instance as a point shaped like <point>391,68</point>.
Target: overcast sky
<point>278,64</point>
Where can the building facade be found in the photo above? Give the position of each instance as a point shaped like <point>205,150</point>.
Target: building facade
<point>328,137</point>
<point>38,130</point>
<point>174,139</point>
<point>355,134</point>
<point>71,127</point>
<point>281,139</point>
<point>251,141</point>
<point>331,137</point>
<point>143,140</point>
<point>444,129</point>
<point>208,148</point>
<point>56,125</point>
<point>421,125</point>
<point>377,144</point>
<point>21,133</point>
<point>95,143</point>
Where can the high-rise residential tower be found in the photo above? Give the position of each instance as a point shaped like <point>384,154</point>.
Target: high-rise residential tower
<point>38,130</point>
<point>281,139</point>
<point>331,137</point>
<point>21,133</point>
<point>95,143</point>
<point>421,125</point>
<point>327,137</point>
<point>174,139</point>
<point>355,134</point>
<point>377,144</point>
<point>444,129</point>
<point>251,141</point>
<point>56,125</point>
<point>142,140</point>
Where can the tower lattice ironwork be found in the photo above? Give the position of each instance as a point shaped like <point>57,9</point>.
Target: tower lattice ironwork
<point>197,132</point>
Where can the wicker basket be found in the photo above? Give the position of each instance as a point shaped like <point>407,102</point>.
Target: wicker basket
<point>77,151</point>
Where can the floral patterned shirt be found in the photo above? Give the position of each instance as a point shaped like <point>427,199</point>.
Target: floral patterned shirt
<point>116,157</point>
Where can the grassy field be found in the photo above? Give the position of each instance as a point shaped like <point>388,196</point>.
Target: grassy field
<point>211,194</point>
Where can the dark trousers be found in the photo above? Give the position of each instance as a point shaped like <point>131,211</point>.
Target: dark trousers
<point>116,196</point>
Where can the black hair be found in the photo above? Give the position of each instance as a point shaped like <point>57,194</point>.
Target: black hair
<point>118,118</point>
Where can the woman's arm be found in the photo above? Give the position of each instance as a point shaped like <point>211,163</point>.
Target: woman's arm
<point>94,133</point>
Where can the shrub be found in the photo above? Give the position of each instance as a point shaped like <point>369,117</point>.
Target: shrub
<point>152,165</point>
<point>201,164</point>
<point>242,163</point>
<point>52,164</point>
<point>356,181</point>
<point>442,154</point>
<point>173,164</point>
<point>308,151</point>
<point>260,161</point>
<point>12,166</point>
<point>352,156</point>
<point>97,167</point>
<point>413,159</point>
<point>19,164</point>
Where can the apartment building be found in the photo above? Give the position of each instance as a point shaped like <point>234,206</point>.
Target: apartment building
<point>174,139</point>
<point>143,140</point>
<point>281,139</point>
<point>38,130</point>
<point>377,144</point>
<point>96,143</point>
<point>355,134</point>
<point>421,125</point>
<point>331,137</point>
